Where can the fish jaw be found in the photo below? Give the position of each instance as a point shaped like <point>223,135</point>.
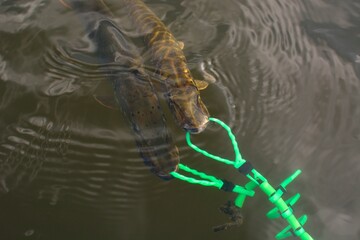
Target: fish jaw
<point>188,109</point>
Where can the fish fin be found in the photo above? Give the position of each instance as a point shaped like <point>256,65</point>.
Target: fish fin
<point>201,84</point>
<point>107,101</point>
<point>104,94</point>
<point>208,77</point>
<point>181,45</point>
<point>65,4</point>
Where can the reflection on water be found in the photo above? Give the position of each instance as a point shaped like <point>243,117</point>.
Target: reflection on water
<point>287,80</point>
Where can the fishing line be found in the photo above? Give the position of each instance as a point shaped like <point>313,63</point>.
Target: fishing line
<point>283,208</point>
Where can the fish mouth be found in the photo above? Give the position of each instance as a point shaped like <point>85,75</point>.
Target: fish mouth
<point>198,129</point>
<point>190,123</point>
<point>197,121</point>
<point>189,111</point>
<point>166,175</point>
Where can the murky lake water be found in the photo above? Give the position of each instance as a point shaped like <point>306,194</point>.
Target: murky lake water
<point>287,81</point>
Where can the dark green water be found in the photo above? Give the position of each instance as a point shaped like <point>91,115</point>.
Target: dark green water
<point>287,79</point>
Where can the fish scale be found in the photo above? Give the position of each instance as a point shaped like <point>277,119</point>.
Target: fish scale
<point>170,61</point>
<point>133,91</point>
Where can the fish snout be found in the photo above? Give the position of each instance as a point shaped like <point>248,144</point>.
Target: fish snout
<point>189,111</point>
<point>199,126</point>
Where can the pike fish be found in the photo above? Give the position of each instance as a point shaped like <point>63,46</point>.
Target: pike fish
<point>133,91</point>
<point>182,93</point>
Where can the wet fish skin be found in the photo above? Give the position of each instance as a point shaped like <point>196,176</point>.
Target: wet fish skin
<point>139,103</point>
<point>182,94</point>
<point>133,91</point>
<point>141,106</point>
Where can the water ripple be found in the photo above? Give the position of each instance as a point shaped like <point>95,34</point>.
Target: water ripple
<point>283,74</point>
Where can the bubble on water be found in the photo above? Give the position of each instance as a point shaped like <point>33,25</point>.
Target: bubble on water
<point>29,232</point>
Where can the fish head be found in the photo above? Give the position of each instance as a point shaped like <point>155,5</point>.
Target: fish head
<point>188,108</point>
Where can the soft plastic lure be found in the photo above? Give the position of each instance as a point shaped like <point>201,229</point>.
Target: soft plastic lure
<point>282,208</point>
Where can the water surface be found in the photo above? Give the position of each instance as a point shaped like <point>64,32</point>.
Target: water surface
<point>287,80</point>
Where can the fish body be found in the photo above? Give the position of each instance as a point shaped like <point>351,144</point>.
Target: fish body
<point>133,91</point>
<point>181,92</point>
<point>140,104</point>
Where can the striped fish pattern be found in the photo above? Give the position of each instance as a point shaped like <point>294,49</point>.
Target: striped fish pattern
<point>139,103</point>
<point>133,91</point>
<point>181,92</point>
